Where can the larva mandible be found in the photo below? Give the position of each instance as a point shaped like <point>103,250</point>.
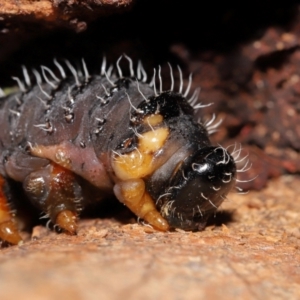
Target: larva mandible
<point>73,140</point>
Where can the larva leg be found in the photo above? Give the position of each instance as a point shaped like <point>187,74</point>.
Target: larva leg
<point>55,190</point>
<point>132,193</point>
<point>8,229</point>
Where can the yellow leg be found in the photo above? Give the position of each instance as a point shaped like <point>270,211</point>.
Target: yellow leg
<point>132,193</point>
<point>66,220</point>
<point>8,229</point>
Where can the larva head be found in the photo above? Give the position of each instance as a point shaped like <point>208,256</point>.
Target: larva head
<point>197,188</point>
<point>186,177</point>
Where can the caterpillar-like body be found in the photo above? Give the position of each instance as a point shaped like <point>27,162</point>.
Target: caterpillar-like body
<point>82,138</point>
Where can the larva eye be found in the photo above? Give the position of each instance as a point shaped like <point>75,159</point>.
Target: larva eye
<point>198,187</point>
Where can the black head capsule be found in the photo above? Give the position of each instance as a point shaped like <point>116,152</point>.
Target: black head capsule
<point>197,188</point>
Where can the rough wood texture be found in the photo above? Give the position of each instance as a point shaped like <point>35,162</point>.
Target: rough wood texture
<point>58,13</point>
<point>249,251</point>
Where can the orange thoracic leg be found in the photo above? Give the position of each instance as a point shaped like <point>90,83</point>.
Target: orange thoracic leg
<point>8,228</point>
<point>133,194</point>
<point>55,190</point>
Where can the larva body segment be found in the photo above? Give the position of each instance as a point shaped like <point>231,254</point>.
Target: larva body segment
<point>79,139</point>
